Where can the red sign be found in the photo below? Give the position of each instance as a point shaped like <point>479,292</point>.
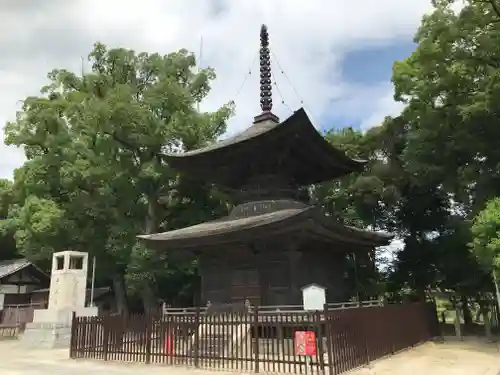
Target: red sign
<point>305,343</point>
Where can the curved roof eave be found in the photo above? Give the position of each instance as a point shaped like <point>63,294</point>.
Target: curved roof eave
<point>331,153</point>
<point>227,226</point>
<point>370,238</point>
<point>189,236</point>
<point>256,131</point>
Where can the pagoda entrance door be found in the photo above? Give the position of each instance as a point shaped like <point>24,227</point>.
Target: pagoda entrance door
<point>245,285</point>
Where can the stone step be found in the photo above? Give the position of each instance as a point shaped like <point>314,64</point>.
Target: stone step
<point>215,341</point>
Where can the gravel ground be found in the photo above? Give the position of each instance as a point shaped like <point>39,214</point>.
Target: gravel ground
<point>471,357</point>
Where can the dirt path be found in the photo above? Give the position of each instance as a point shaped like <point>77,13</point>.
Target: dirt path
<point>469,358</point>
<point>451,358</point>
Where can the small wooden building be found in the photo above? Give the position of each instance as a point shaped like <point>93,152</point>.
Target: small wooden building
<point>272,243</point>
<point>18,278</point>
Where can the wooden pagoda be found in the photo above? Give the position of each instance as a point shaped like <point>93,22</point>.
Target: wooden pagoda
<point>272,243</point>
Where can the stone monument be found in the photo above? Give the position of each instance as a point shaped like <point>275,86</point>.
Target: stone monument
<point>51,327</point>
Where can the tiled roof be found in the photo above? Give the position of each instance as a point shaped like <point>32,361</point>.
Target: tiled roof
<point>305,156</point>
<point>313,219</point>
<point>11,266</point>
<point>224,226</point>
<point>8,267</point>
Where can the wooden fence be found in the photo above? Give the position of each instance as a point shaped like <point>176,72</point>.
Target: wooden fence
<point>18,315</point>
<point>256,341</point>
<point>9,332</point>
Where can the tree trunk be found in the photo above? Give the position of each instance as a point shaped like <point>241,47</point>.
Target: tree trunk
<point>466,311</point>
<point>478,316</point>
<point>497,291</point>
<point>486,319</point>
<point>147,294</point>
<point>148,299</point>
<point>457,323</point>
<point>120,295</point>
<point>495,314</point>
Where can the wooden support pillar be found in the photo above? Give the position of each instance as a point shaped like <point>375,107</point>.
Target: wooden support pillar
<point>294,271</point>
<point>258,251</point>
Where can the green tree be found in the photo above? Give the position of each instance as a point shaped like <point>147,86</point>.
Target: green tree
<point>364,200</point>
<point>386,196</point>
<point>95,171</point>
<point>7,244</point>
<point>450,86</point>
<point>485,243</point>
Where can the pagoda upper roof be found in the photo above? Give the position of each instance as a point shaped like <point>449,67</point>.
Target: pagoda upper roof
<point>296,148</point>
<point>308,220</point>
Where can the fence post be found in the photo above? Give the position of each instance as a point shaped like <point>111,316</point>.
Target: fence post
<point>197,337</point>
<point>255,329</point>
<point>73,338</point>
<point>320,324</point>
<point>366,335</point>
<point>329,340</point>
<point>149,330</point>
<point>105,328</point>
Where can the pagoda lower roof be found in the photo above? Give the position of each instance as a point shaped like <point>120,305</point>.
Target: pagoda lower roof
<point>308,220</point>
<point>305,155</point>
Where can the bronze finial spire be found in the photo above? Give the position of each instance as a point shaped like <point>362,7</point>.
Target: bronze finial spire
<point>266,101</point>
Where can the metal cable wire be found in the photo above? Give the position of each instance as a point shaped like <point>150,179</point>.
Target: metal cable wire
<point>247,75</point>
<point>275,83</point>
<point>286,76</point>
<point>275,58</point>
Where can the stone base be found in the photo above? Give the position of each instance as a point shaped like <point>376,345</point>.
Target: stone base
<point>63,316</point>
<point>51,329</point>
<point>46,336</point>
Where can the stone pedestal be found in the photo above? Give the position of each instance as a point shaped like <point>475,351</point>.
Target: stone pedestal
<point>46,336</point>
<point>51,328</point>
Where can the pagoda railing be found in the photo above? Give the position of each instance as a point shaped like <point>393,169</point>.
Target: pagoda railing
<point>269,309</point>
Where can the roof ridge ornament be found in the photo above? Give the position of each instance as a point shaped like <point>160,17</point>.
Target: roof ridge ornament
<point>266,101</point>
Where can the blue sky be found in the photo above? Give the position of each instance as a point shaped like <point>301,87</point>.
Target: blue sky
<point>373,65</point>
<point>366,67</point>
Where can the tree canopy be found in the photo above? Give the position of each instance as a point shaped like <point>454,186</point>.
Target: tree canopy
<point>95,173</point>
<point>486,236</point>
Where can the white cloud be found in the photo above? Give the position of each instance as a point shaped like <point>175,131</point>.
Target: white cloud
<point>383,106</point>
<point>308,37</point>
